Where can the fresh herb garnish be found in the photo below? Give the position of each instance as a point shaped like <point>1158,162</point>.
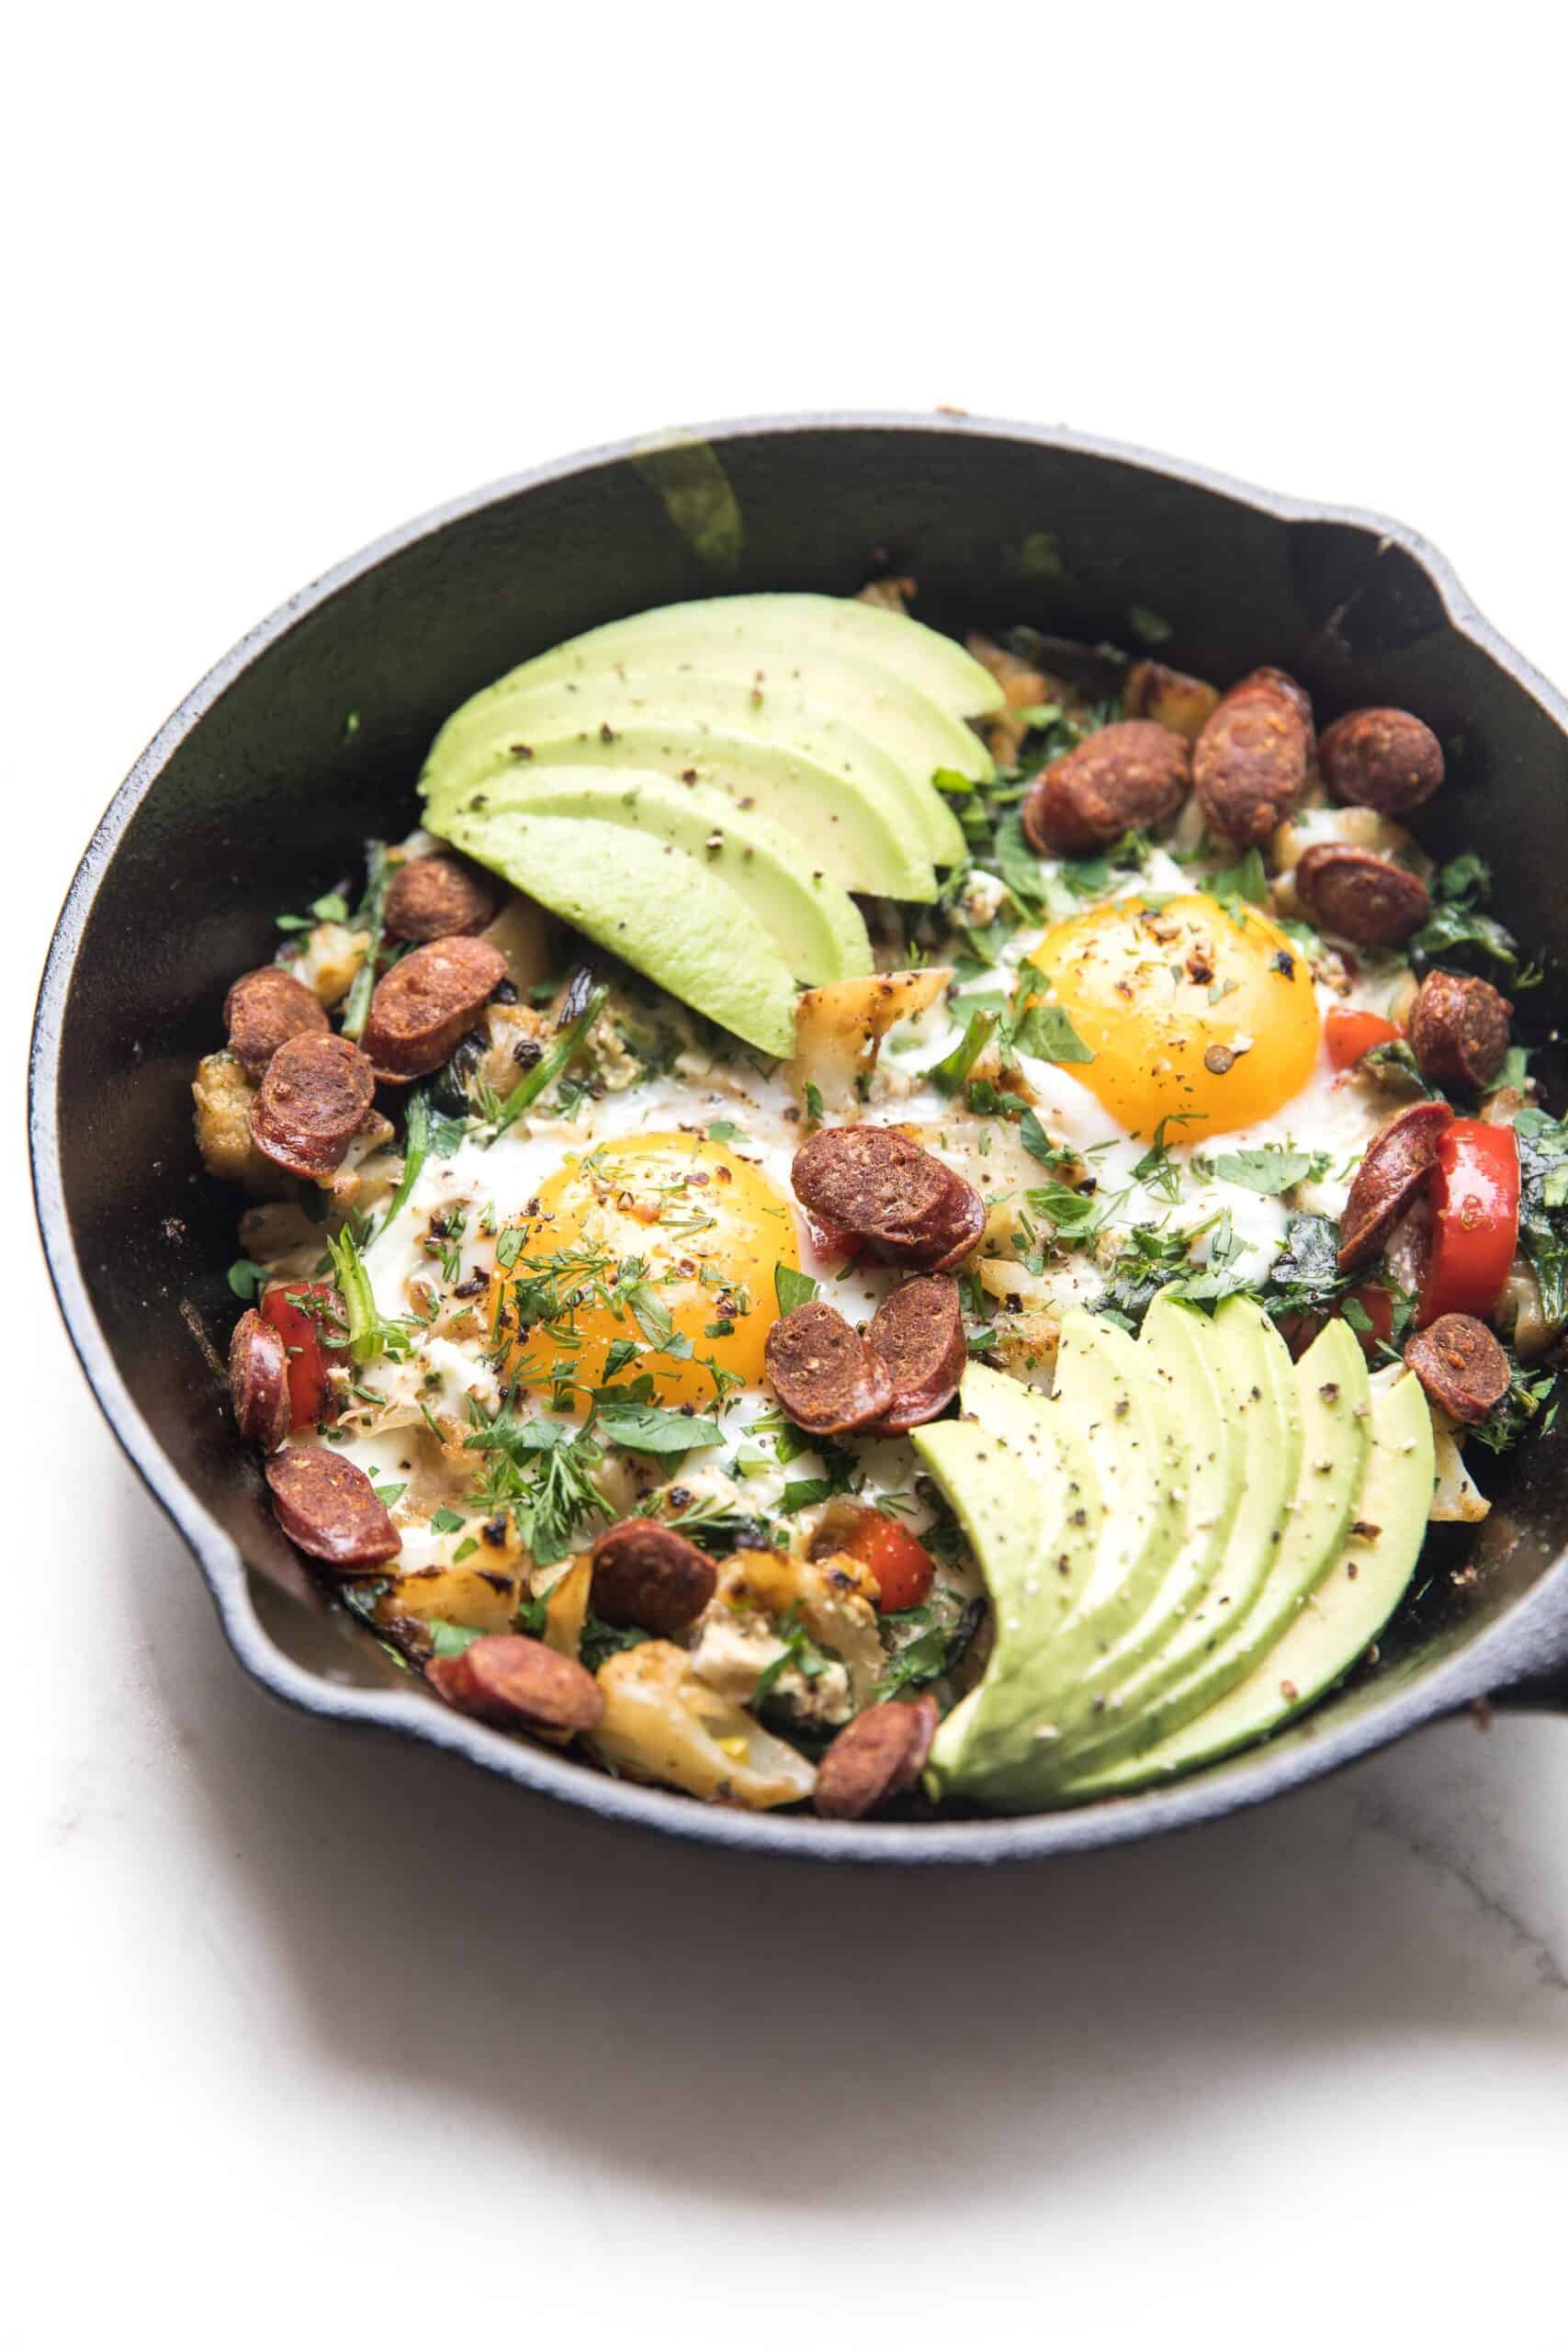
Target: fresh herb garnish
<point>1270,1168</point>
<point>791,1287</point>
<point>246,1278</point>
<point>367,917</point>
<point>551,1064</point>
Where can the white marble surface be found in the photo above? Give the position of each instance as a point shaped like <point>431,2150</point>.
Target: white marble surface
<point>310,2035</point>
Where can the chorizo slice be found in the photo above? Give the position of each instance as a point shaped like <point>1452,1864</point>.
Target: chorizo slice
<point>944,1239</point>
<point>1459,1029</point>
<point>1359,895</point>
<point>519,1685</point>
<point>425,1006</point>
<point>1386,760</point>
<point>264,1010</point>
<point>919,1333</point>
<point>1169,697</point>
<point>1461,1366</point>
<point>826,1376</point>
<point>1395,1165</point>
<point>875,1759</point>
<point>876,1186</point>
<point>330,1509</point>
<point>435,898</point>
<point>866,1180</point>
<point>1266,679</point>
<point>650,1574</point>
<point>1250,762</point>
<point>258,1381</point>
<point>1122,779</point>
<point>316,1092</point>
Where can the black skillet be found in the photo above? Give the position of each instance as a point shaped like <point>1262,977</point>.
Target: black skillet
<point>307,737</point>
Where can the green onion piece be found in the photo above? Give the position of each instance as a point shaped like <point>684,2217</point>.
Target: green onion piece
<point>954,1068</point>
<point>359,1300</point>
<point>367,916</point>
<point>416,1150</point>
<point>551,1063</point>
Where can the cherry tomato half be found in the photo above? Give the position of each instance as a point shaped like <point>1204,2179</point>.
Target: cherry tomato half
<point>308,1331</point>
<point>1475,1225</point>
<point>1347,1035</point>
<point>902,1566</point>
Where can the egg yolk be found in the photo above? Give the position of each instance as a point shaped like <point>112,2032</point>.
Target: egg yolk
<point>667,1243</point>
<point>1193,1012</point>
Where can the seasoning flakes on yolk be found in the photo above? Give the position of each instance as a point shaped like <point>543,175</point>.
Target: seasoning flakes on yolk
<point>1192,1012</point>
<point>708,1230</point>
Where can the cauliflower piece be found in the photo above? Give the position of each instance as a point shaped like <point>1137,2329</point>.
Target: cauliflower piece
<point>982,898</point>
<point>223,1095</point>
<point>328,958</point>
<point>661,1723</point>
<point>839,1028</point>
<point>1455,1495</point>
<point>832,1598</point>
<point>518,1035</point>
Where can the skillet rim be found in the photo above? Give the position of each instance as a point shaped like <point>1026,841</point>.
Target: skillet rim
<point>1529,1641</point>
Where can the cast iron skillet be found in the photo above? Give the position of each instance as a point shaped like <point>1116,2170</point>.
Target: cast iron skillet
<point>309,736</point>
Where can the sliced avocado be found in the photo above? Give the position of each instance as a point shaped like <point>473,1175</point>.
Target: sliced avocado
<point>1102,1386</point>
<point>1334,1628</point>
<point>843,731</point>
<point>768,626</point>
<point>1203,1443</point>
<point>649,902</point>
<point>1027,1498</point>
<point>1335,1403</point>
<point>817,928</point>
<point>854,830</point>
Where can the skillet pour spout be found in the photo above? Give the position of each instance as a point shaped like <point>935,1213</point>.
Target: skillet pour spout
<point>306,738</point>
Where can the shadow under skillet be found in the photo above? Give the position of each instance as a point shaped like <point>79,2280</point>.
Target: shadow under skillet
<point>802,2036</point>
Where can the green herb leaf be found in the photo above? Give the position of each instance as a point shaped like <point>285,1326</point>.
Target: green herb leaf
<point>792,1288</point>
<point>1046,1032</point>
<point>1243,884</point>
<point>953,780</point>
<point>813,1103</point>
<point>1271,1168</point>
<point>656,1428</point>
<point>246,1278</point>
<point>448,1640</point>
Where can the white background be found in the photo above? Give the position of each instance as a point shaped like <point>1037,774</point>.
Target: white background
<point>312,2041</point>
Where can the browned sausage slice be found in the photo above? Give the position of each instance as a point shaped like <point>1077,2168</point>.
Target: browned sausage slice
<point>919,1333</point>
<point>1266,679</point>
<point>316,1092</point>
<point>330,1509</point>
<point>647,1574</point>
<point>1359,895</point>
<point>1461,1365</point>
<point>1250,762</point>
<point>264,1010</point>
<point>1169,697</point>
<point>873,1184</point>
<point>425,1006</point>
<point>1122,779</point>
<point>1387,760</point>
<point>1395,1165</point>
<point>258,1381</point>
<point>825,1375</point>
<point>520,1685</point>
<point>1459,1029</point>
<point>867,1179</point>
<point>435,898</point>
<point>944,1239</point>
<point>875,1759</point>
